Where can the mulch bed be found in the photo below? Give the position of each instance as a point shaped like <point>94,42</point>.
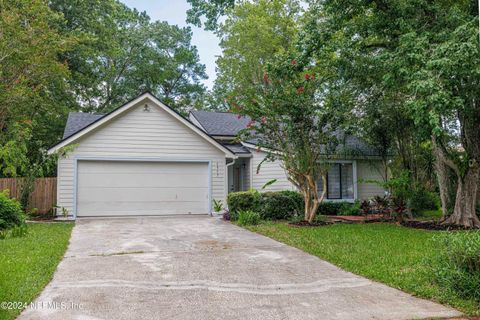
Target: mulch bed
<point>308,224</point>
<point>433,225</point>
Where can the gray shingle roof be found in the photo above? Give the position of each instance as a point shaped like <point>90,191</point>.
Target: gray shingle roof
<point>236,148</point>
<point>221,123</point>
<point>228,124</point>
<point>78,120</point>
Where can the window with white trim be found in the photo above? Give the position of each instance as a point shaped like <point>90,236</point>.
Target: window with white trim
<point>339,182</point>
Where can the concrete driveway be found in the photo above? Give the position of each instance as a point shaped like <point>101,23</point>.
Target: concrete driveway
<point>204,268</point>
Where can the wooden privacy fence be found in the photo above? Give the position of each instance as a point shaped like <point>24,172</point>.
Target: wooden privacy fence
<point>43,197</point>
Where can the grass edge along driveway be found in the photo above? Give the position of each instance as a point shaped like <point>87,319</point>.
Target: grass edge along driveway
<point>391,254</point>
<point>27,263</point>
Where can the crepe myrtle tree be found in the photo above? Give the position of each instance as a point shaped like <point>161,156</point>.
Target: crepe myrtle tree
<point>294,120</point>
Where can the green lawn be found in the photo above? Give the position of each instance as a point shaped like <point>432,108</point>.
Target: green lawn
<point>27,263</point>
<point>391,254</point>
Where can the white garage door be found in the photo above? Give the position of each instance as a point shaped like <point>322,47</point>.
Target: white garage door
<point>119,188</point>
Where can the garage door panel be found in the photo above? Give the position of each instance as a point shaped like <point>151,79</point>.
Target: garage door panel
<point>111,188</point>
<point>122,208</point>
<point>157,180</point>
<point>143,194</point>
<point>149,167</point>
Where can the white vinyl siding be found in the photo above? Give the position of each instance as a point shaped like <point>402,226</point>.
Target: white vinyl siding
<point>139,134</point>
<point>369,171</point>
<point>268,170</point>
<point>365,170</point>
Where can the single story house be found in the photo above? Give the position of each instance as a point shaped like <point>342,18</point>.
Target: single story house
<point>144,158</point>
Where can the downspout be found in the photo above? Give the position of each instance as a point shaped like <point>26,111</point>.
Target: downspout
<point>226,178</point>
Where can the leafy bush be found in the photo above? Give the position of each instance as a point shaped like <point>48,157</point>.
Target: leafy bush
<point>245,200</point>
<point>336,208</point>
<point>350,209</point>
<point>457,268</point>
<point>248,217</point>
<point>281,205</point>
<point>11,213</point>
<point>270,205</point>
<point>421,199</point>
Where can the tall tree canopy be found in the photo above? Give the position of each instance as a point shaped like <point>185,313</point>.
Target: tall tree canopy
<point>123,53</point>
<point>211,10</point>
<point>419,60</point>
<point>31,81</point>
<point>250,37</point>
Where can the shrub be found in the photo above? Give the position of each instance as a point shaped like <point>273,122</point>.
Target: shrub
<point>421,199</point>
<point>457,268</point>
<point>248,217</point>
<point>336,208</point>
<point>281,205</point>
<point>11,213</point>
<point>245,200</point>
<point>350,209</point>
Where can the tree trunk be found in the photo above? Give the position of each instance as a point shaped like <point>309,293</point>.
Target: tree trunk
<point>464,212</point>
<point>310,194</point>
<point>442,171</point>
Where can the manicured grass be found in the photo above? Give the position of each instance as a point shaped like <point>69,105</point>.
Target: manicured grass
<point>27,263</point>
<point>394,255</point>
<point>430,215</point>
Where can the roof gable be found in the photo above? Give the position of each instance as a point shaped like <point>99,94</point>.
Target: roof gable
<point>93,121</point>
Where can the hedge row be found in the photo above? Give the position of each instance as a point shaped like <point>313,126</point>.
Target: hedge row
<point>270,205</point>
<point>283,204</point>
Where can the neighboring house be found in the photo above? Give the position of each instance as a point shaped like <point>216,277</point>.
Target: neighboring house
<point>143,158</point>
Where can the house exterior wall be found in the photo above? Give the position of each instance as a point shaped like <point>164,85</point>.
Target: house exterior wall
<point>369,170</point>
<point>138,134</point>
<point>366,170</point>
<point>268,170</point>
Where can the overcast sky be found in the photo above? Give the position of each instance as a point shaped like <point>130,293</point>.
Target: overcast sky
<point>175,12</point>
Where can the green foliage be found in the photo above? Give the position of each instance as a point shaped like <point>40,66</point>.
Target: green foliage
<point>270,205</point>
<point>350,209</point>
<point>337,208</point>
<point>268,183</point>
<point>421,199</point>
<point>457,266</point>
<point>245,200</point>
<point>414,81</point>
<point>11,213</point>
<point>122,53</point>
<point>281,205</point>
<point>252,34</point>
<point>217,205</point>
<point>32,82</point>
<point>248,217</point>
<point>212,10</point>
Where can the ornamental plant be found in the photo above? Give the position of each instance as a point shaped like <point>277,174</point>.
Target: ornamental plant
<point>294,119</point>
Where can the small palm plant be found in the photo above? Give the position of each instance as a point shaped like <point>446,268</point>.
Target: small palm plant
<point>217,205</point>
